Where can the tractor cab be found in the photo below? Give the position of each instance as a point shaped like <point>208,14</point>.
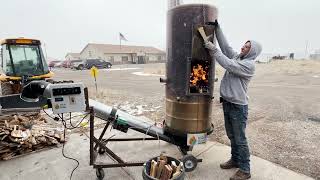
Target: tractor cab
<point>22,61</point>
<point>22,58</point>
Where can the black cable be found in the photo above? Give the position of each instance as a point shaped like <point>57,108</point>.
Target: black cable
<point>48,114</point>
<point>72,126</point>
<point>64,123</point>
<point>64,135</point>
<point>79,122</point>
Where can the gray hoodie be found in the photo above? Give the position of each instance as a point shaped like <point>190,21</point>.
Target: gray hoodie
<point>234,84</point>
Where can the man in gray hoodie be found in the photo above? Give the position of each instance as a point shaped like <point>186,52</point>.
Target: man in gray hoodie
<point>240,69</point>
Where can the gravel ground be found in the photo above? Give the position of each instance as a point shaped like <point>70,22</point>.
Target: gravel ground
<point>284,109</point>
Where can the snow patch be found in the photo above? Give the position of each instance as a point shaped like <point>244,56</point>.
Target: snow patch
<point>146,74</point>
<point>135,109</point>
<point>121,69</point>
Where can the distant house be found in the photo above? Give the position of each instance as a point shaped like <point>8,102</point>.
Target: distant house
<point>72,56</point>
<point>123,55</point>
<point>316,55</point>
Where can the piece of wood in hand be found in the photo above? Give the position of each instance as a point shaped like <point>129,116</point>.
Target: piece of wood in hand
<point>203,34</point>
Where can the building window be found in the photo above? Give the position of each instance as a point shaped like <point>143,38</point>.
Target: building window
<point>90,54</point>
<point>111,59</point>
<point>124,58</point>
<point>159,58</point>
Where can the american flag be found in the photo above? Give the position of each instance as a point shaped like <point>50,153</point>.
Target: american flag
<point>122,37</point>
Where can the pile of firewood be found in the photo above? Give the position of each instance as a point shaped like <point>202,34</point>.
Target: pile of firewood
<point>24,133</point>
<point>163,169</point>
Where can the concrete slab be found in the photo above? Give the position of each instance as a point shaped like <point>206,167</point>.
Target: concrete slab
<point>51,165</point>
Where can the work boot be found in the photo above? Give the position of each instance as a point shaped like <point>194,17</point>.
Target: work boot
<point>229,165</point>
<point>240,175</point>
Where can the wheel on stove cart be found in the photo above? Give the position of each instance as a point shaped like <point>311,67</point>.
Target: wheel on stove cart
<point>101,150</point>
<point>100,173</point>
<point>189,162</point>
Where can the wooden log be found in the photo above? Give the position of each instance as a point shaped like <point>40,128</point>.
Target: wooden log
<point>23,118</point>
<point>153,169</point>
<point>161,163</point>
<point>166,173</point>
<point>174,166</point>
<point>7,156</point>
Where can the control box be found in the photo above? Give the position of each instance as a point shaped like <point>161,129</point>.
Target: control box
<point>67,97</point>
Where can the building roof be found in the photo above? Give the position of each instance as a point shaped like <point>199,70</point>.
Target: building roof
<point>115,49</point>
<point>76,55</point>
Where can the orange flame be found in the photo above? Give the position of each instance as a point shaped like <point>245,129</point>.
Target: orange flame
<point>198,74</point>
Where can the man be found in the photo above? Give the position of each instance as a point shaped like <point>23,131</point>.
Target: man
<point>240,69</point>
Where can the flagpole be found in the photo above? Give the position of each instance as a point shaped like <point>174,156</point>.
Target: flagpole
<point>120,40</point>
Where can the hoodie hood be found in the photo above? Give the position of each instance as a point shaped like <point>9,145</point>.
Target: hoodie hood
<point>254,51</point>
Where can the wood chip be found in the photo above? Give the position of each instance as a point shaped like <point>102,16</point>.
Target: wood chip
<point>26,132</point>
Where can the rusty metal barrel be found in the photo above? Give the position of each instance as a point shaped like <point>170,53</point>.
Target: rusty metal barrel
<point>189,70</point>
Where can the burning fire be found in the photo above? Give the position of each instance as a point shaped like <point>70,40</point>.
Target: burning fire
<point>198,74</point>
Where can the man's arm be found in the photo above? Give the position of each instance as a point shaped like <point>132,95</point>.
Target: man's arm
<point>241,68</point>
<point>223,43</point>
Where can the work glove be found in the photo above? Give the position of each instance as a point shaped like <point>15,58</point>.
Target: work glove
<point>215,23</point>
<point>209,45</point>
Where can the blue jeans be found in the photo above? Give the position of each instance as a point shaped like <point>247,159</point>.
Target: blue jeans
<point>235,118</point>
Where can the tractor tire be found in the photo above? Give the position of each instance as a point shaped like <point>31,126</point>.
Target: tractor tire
<point>6,88</point>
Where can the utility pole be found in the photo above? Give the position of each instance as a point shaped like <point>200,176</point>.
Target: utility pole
<point>306,53</point>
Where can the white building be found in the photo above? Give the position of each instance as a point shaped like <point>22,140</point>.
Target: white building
<point>72,56</point>
<point>124,54</point>
<point>316,55</point>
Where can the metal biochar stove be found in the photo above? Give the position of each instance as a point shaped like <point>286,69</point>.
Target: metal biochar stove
<point>190,73</point>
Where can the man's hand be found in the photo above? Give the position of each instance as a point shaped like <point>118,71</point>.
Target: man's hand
<point>209,45</point>
<point>215,23</point>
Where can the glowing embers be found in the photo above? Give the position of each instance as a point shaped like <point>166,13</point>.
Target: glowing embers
<point>199,77</point>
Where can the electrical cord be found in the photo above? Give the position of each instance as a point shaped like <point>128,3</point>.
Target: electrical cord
<point>79,122</point>
<point>48,114</point>
<point>67,157</point>
<point>64,123</point>
<point>148,132</point>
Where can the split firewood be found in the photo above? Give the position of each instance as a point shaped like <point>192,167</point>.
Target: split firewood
<point>26,132</point>
<point>16,133</point>
<point>178,171</point>
<point>6,123</point>
<point>51,140</point>
<point>176,174</point>
<point>174,166</point>
<point>14,122</point>
<point>5,117</point>
<point>163,157</point>
<point>7,156</point>
<point>5,150</point>
<point>153,169</point>
<point>23,118</point>
<point>179,166</point>
<point>161,163</point>
<point>167,171</point>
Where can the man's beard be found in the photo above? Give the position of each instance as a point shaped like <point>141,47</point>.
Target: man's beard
<point>242,55</point>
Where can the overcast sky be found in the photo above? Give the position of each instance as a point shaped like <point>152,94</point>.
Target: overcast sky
<point>281,26</point>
